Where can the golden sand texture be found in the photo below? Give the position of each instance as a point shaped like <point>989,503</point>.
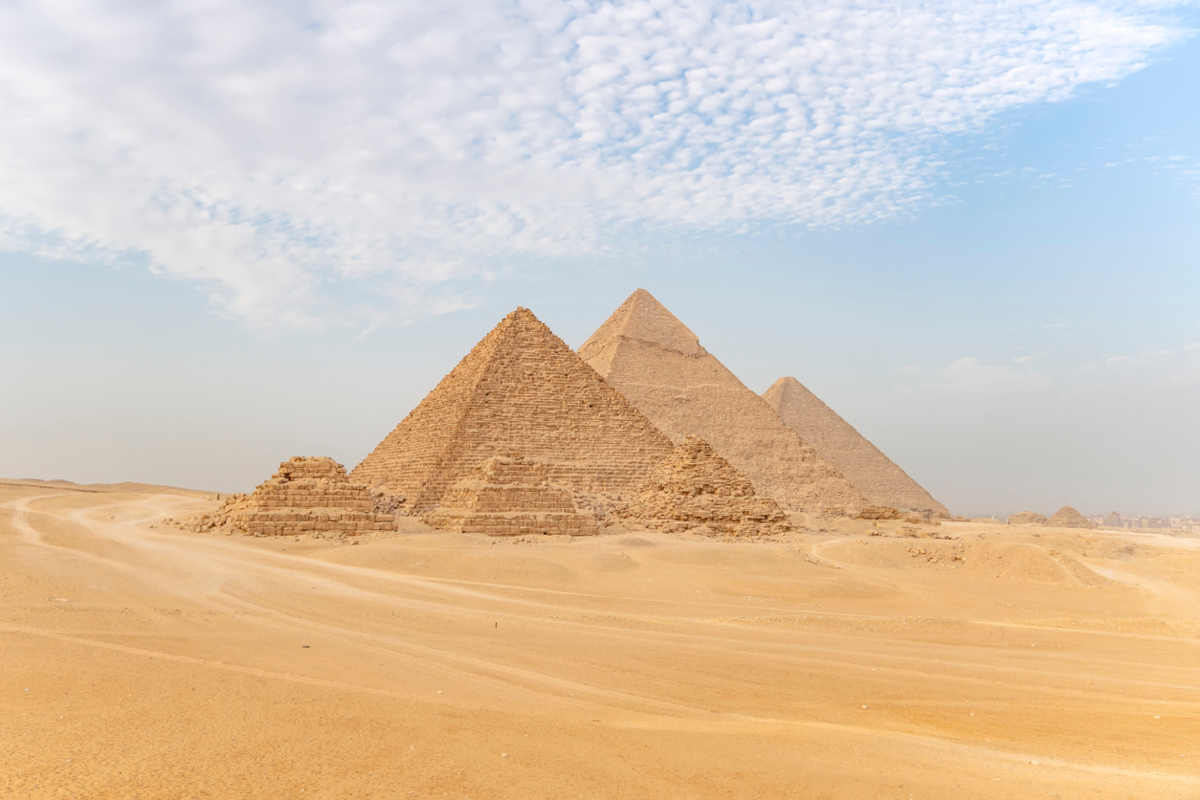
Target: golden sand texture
<point>509,495</point>
<point>306,495</point>
<point>521,389</point>
<point>986,662</point>
<point>839,443</point>
<point>695,487</point>
<point>657,362</point>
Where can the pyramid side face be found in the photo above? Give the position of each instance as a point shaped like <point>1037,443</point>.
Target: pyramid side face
<point>689,392</point>
<point>640,318</point>
<point>413,451</point>
<point>880,479</point>
<point>531,395</point>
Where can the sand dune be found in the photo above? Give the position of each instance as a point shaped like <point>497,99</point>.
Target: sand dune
<point>140,660</point>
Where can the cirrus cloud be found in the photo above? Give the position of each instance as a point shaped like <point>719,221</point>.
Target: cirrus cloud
<point>269,150</point>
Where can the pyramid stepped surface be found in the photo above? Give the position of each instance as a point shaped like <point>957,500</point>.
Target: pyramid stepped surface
<point>1068,517</point>
<point>657,362</point>
<point>508,496</point>
<point>307,495</point>
<point>695,486</point>
<point>522,390</point>
<point>836,441</point>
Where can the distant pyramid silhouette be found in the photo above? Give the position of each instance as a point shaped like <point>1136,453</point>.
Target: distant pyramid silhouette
<point>836,441</point>
<point>657,362</point>
<point>520,391</point>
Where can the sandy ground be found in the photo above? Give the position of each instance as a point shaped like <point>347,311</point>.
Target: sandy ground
<point>138,660</point>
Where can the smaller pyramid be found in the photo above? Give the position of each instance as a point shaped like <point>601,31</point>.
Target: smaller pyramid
<point>1027,518</point>
<point>1067,517</point>
<point>306,495</point>
<point>694,486</point>
<point>838,442</point>
<point>508,495</point>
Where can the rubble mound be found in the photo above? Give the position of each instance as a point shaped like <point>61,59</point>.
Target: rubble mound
<point>1068,517</point>
<point>880,512</point>
<point>1027,518</point>
<point>306,495</point>
<point>657,362</point>
<point>695,487</point>
<point>508,495</point>
<point>521,389</point>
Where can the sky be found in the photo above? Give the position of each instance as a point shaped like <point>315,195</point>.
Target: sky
<point>235,232</point>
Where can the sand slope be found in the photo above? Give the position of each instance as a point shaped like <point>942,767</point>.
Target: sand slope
<point>145,661</point>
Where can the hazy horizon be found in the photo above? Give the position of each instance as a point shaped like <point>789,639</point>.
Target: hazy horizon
<point>233,236</point>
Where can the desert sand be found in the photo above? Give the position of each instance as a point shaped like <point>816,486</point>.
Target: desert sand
<point>959,660</point>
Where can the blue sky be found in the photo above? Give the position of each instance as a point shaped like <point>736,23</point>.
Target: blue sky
<point>232,236</point>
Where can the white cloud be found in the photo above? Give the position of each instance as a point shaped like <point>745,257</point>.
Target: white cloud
<point>268,150</point>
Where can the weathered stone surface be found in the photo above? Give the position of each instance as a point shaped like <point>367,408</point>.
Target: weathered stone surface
<point>1068,517</point>
<point>306,495</point>
<point>880,512</point>
<point>509,495</point>
<point>695,487</point>
<point>522,390</point>
<point>657,362</point>
<point>1027,518</point>
<point>836,441</point>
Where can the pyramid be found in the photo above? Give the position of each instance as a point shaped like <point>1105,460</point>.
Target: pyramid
<point>306,495</point>
<point>694,486</point>
<point>520,390</point>
<point>657,362</point>
<point>1027,518</point>
<point>1068,517</point>
<point>484,502</point>
<point>836,441</point>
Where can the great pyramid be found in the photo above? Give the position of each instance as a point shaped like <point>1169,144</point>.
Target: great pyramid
<point>306,495</point>
<point>520,390</point>
<point>483,502</point>
<point>836,441</point>
<point>657,362</point>
<point>696,487</point>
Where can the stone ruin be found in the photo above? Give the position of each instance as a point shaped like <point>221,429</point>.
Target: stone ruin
<point>695,487</point>
<point>508,495</point>
<point>1027,518</point>
<point>880,512</point>
<point>306,495</point>
<point>1068,517</point>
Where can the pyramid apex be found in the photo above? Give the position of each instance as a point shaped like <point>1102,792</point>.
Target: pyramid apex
<point>642,318</point>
